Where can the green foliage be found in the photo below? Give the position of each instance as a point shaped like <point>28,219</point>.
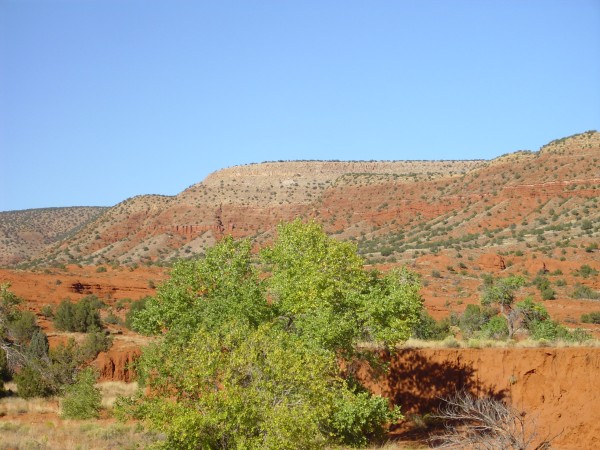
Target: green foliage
<point>474,318</point>
<point>593,317</point>
<point>83,316</point>
<point>93,344</point>
<point>38,346</point>
<point>207,293</point>
<point>64,315</point>
<point>543,284</point>
<point>551,330</point>
<point>359,417</point>
<point>428,329</point>
<point>82,400</point>
<point>495,328</point>
<point>135,308</point>
<point>22,327</point>
<point>531,312</point>
<point>253,362</point>
<point>64,361</point>
<point>321,291</point>
<point>8,310</point>
<point>47,311</point>
<point>586,271</point>
<point>31,383</point>
<point>585,292</point>
<point>502,291</point>
<point>4,373</point>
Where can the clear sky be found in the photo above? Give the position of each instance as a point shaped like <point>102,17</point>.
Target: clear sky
<point>102,100</point>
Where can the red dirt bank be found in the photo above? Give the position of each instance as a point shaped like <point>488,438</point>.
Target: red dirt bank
<point>556,387</point>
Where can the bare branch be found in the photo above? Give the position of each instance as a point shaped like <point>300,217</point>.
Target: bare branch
<point>485,423</point>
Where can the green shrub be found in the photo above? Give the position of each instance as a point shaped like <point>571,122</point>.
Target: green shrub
<point>23,327</point>
<point>93,344</point>
<point>83,316</point>
<point>586,271</point>
<point>474,318</point>
<point>496,328</point>
<point>111,318</point>
<point>64,316</point>
<point>548,293</point>
<point>82,400</point>
<point>135,308</point>
<point>31,383</point>
<point>359,418</point>
<point>429,329</point>
<point>593,317</point>
<point>64,360</point>
<point>3,365</point>
<point>531,312</point>
<point>47,311</point>
<point>551,330</point>
<point>585,292</point>
<point>38,346</point>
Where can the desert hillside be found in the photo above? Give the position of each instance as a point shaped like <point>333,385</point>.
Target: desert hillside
<point>24,234</point>
<point>393,210</point>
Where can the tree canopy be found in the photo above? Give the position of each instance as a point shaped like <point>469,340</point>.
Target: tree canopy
<point>250,345</point>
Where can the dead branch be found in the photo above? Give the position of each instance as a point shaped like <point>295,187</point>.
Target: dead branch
<point>485,423</point>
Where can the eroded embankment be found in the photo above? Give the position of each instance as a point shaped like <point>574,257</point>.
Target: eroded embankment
<point>558,387</point>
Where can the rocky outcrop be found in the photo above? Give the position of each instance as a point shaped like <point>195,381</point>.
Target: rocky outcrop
<point>117,365</point>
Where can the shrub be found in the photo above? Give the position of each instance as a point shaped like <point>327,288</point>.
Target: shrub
<point>585,292</point>
<point>47,311</point>
<point>430,330</point>
<point>30,383</point>
<point>64,316</point>
<point>93,344</point>
<point>586,271</point>
<point>3,365</point>
<point>82,400</point>
<point>550,330</point>
<point>474,318</point>
<point>135,308</point>
<point>38,346</point>
<point>485,423</point>
<point>83,316</point>
<point>593,317</point>
<point>548,293</point>
<point>111,318</point>
<point>64,360</point>
<point>496,328</point>
<point>23,327</point>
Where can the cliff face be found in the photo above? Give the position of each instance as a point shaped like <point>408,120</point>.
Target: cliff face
<point>556,387</point>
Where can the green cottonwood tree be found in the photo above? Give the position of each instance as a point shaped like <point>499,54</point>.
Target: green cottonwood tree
<point>249,361</point>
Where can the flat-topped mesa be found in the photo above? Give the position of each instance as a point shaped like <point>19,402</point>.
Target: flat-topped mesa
<point>330,170</point>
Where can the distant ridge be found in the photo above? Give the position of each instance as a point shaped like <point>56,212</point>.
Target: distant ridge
<point>390,208</point>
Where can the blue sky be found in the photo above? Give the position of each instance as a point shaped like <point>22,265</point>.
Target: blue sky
<point>101,100</point>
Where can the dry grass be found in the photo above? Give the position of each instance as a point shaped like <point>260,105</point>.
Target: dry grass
<point>34,424</point>
<point>490,343</point>
<point>71,435</point>
<point>113,389</point>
